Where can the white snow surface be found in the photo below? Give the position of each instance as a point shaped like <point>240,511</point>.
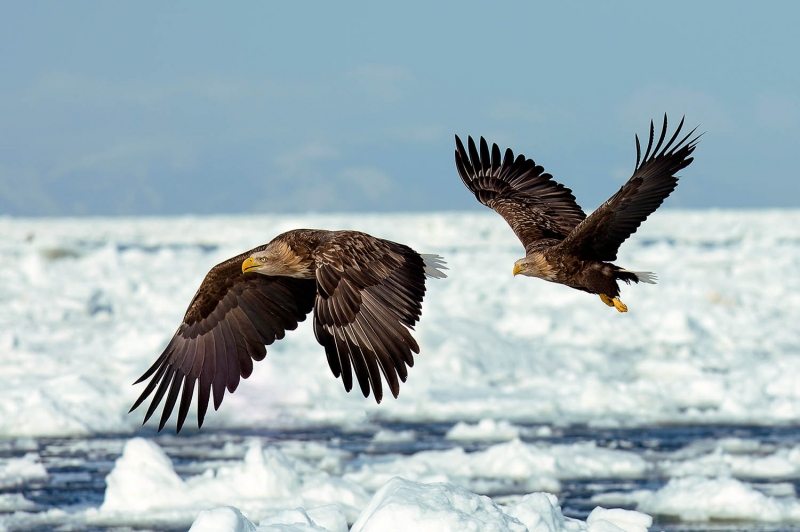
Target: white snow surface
<point>90,303</point>
<point>144,481</point>
<point>484,430</point>
<point>16,472</point>
<point>230,519</point>
<point>290,484</point>
<point>281,492</point>
<point>402,505</point>
<point>698,498</point>
<point>535,466</point>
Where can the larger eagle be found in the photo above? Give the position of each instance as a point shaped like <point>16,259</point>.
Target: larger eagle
<point>562,244</point>
<point>366,293</point>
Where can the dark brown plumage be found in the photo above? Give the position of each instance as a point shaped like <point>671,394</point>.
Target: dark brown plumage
<point>562,244</point>
<point>366,294</point>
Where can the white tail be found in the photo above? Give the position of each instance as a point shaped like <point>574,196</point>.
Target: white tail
<point>644,277</point>
<point>434,264</point>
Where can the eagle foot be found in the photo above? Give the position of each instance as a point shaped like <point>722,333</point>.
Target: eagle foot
<point>607,300</point>
<point>619,305</point>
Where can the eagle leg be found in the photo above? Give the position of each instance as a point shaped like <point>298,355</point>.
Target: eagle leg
<point>607,300</point>
<point>619,305</point>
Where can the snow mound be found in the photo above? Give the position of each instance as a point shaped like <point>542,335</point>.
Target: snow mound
<point>406,505</point>
<point>704,499</point>
<point>530,467</point>
<point>223,519</point>
<point>144,481</point>
<point>12,502</point>
<point>229,519</point>
<point>603,519</point>
<point>402,505</point>
<point>15,472</point>
<point>484,430</point>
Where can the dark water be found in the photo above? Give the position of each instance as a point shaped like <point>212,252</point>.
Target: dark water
<point>77,468</point>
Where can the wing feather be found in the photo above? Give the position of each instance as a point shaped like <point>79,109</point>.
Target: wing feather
<point>385,361</point>
<point>186,400</point>
<point>184,357</point>
<point>206,371</point>
<point>226,327</point>
<point>388,322</point>
<point>162,388</point>
<point>219,376</point>
<point>232,350</point>
<point>370,295</point>
<point>254,313</point>
<point>535,206</point>
<point>150,386</point>
<point>240,322</point>
<point>352,351</point>
<point>346,366</point>
<point>325,339</point>
<point>654,178</point>
<point>172,396</point>
<point>388,344</point>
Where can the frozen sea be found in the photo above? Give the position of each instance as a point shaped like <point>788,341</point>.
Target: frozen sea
<point>530,407</point>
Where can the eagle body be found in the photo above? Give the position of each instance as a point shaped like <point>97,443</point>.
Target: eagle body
<point>365,293</point>
<point>562,244</point>
<point>554,265</point>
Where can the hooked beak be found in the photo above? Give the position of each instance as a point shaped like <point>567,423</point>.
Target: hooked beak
<point>250,264</point>
<point>517,269</point>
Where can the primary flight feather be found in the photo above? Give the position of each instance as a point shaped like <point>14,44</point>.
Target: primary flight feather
<point>366,293</point>
<point>562,244</point>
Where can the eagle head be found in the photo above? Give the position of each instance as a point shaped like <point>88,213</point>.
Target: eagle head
<point>279,258</point>
<point>521,266</point>
<point>535,265</point>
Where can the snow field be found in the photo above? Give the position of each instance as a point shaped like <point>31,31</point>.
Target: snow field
<point>89,304</point>
<point>144,487</point>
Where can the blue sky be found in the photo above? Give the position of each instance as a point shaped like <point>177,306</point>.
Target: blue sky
<point>211,107</point>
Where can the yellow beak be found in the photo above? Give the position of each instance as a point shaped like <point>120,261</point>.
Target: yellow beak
<point>249,264</point>
<point>517,269</point>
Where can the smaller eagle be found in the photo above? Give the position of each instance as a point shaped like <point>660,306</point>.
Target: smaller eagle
<point>366,293</point>
<point>562,244</point>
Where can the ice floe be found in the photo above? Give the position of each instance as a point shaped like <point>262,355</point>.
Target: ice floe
<point>406,505</point>
<point>703,499</point>
<point>20,471</point>
<point>715,341</point>
<point>89,303</point>
<point>144,480</point>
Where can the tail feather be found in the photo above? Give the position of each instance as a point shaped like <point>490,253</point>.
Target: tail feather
<point>641,277</point>
<point>434,264</point>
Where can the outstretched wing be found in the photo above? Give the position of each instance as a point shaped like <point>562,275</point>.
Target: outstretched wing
<point>231,318</point>
<point>369,295</point>
<point>535,206</point>
<point>600,235</point>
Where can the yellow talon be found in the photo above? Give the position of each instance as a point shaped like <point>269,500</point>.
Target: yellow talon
<point>619,305</point>
<point>607,300</point>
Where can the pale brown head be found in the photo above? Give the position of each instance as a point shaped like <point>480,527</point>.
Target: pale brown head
<point>278,258</point>
<point>534,266</point>
<point>521,266</point>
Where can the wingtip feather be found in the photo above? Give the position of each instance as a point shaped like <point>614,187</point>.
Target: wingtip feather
<point>434,264</point>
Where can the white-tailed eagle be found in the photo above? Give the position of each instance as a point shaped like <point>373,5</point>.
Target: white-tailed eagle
<point>562,244</point>
<point>366,294</point>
